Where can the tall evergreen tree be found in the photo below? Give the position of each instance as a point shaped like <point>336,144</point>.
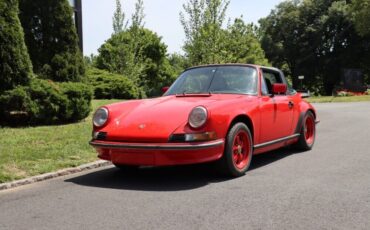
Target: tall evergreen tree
<point>119,23</point>
<point>15,65</point>
<point>52,40</point>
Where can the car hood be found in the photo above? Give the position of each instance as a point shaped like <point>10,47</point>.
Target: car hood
<point>154,120</point>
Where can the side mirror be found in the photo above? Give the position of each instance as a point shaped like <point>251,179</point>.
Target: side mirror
<point>165,89</point>
<point>279,88</point>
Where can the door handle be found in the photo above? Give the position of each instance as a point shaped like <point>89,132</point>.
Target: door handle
<point>290,104</point>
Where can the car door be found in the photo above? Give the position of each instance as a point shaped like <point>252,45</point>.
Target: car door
<point>276,111</point>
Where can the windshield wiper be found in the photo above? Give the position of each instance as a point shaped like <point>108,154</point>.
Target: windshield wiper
<point>194,94</point>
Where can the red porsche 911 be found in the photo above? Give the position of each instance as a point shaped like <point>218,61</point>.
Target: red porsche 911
<point>225,113</point>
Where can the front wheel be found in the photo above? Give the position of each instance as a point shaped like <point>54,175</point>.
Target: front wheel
<point>308,133</point>
<point>238,151</point>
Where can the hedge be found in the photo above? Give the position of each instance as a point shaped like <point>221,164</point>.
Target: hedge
<point>45,102</point>
<point>109,85</point>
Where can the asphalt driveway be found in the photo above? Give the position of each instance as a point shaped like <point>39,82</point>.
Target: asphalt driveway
<point>326,188</point>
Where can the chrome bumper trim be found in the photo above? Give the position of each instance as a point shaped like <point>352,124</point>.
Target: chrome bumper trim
<point>157,146</point>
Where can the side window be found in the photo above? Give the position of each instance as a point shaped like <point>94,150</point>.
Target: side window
<point>270,78</point>
<point>264,89</point>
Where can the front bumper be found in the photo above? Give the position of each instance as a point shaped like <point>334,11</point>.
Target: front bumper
<point>159,154</point>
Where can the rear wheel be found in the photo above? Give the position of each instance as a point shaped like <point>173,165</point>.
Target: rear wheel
<point>308,133</point>
<point>238,151</point>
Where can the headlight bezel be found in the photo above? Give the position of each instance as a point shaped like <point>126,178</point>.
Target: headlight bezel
<point>104,120</point>
<point>192,118</point>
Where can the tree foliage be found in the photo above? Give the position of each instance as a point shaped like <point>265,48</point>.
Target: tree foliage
<point>119,23</point>
<point>178,62</point>
<point>207,41</point>
<point>314,38</point>
<point>137,19</point>
<point>202,21</point>
<point>139,54</point>
<point>242,45</point>
<point>360,10</point>
<point>15,64</point>
<point>52,40</point>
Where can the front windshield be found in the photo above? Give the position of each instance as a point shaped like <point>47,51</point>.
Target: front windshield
<point>216,79</point>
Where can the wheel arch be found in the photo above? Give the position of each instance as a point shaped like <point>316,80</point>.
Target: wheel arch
<point>312,111</point>
<point>301,117</point>
<point>244,119</point>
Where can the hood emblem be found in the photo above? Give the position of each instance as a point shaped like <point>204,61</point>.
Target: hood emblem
<point>142,126</point>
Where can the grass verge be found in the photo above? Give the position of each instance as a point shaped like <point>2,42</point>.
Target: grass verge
<point>31,151</point>
<point>328,99</point>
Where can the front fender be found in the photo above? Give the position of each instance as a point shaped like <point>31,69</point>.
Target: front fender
<point>222,116</point>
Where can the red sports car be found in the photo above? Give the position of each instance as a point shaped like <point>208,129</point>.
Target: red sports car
<point>225,113</point>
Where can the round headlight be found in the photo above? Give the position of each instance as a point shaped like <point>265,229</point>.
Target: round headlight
<point>198,117</point>
<point>100,117</point>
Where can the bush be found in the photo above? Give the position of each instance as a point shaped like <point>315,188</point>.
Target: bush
<point>108,85</point>
<point>79,100</point>
<point>45,102</point>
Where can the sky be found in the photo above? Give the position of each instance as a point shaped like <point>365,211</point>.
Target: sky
<point>161,16</point>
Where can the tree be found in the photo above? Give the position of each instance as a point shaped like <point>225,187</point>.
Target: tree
<point>52,40</point>
<point>242,45</point>
<point>178,63</point>
<point>208,42</point>
<point>139,54</point>
<point>138,16</point>
<point>119,19</point>
<point>314,38</point>
<point>203,29</point>
<point>360,10</point>
<point>15,65</point>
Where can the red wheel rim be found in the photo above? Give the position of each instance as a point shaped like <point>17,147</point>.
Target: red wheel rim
<point>309,130</point>
<point>241,149</point>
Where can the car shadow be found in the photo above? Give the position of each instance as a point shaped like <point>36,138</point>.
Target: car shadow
<point>174,178</point>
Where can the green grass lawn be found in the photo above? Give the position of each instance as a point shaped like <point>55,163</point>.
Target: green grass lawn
<point>327,99</point>
<point>31,151</point>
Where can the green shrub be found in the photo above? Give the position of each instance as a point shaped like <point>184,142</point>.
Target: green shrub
<point>108,85</point>
<point>45,102</point>
<point>79,97</point>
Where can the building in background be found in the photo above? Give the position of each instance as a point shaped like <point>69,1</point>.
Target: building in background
<point>77,7</point>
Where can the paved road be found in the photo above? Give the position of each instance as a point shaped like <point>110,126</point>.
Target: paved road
<point>326,188</point>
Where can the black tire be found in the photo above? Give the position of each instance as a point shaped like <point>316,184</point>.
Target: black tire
<point>307,140</point>
<point>228,163</point>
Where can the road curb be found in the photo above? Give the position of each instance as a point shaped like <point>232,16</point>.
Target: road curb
<point>59,173</point>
